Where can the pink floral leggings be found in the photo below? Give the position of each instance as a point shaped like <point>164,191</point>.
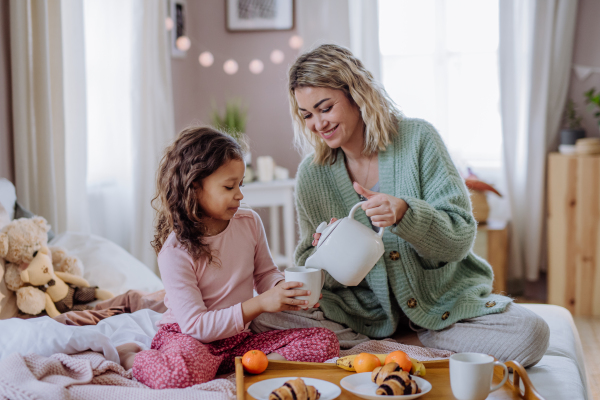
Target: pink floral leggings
<point>177,360</point>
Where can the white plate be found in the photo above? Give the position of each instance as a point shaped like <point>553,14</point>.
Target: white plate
<point>361,385</point>
<point>261,390</point>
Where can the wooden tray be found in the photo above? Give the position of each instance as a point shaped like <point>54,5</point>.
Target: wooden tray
<point>437,374</point>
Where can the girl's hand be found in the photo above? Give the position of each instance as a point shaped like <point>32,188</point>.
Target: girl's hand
<point>316,236</point>
<point>280,297</point>
<point>383,209</point>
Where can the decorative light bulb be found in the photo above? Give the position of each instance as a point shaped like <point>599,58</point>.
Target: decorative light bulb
<point>277,56</point>
<point>296,42</point>
<point>206,59</point>
<point>183,43</point>
<point>230,67</point>
<point>256,66</point>
<point>169,23</point>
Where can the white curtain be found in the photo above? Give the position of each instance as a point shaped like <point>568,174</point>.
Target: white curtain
<point>47,61</point>
<point>153,118</point>
<point>131,117</point>
<point>93,111</point>
<point>350,23</point>
<point>536,45</point>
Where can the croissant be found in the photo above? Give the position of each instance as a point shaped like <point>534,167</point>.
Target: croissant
<point>398,383</point>
<point>380,373</point>
<point>295,389</point>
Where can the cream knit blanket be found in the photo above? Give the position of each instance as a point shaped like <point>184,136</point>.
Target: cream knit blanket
<point>89,375</point>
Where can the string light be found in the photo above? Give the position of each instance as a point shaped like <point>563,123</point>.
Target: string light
<point>277,56</point>
<point>230,67</point>
<point>206,59</point>
<point>169,23</point>
<point>256,66</point>
<point>183,43</point>
<point>296,42</point>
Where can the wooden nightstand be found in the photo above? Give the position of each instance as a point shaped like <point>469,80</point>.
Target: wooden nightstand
<point>491,243</point>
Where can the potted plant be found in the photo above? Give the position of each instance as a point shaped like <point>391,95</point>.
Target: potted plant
<point>233,122</point>
<point>572,130</point>
<point>593,100</point>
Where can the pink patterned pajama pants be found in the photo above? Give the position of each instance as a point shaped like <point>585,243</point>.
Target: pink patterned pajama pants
<point>177,360</point>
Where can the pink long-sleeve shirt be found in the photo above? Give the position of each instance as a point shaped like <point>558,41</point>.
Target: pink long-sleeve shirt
<point>206,300</point>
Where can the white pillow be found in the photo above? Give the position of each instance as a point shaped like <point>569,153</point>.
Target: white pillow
<point>8,197</point>
<point>107,265</point>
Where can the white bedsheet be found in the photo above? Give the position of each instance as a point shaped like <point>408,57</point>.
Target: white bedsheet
<point>45,336</point>
<point>559,375</point>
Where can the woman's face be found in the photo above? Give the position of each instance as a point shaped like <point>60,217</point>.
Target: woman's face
<point>331,115</point>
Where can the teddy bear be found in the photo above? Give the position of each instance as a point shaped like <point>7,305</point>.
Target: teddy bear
<point>54,291</point>
<point>20,239</point>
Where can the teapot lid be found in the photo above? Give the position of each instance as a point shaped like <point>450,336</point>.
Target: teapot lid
<point>325,230</point>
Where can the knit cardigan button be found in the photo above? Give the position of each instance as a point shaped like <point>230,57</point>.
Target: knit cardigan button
<point>394,255</point>
<point>490,304</point>
<point>412,303</point>
<point>446,315</point>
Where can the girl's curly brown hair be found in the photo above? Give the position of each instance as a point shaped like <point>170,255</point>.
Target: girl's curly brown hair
<point>196,153</point>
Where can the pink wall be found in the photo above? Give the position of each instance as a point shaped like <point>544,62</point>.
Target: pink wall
<point>269,123</point>
<point>587,53</point>
<point>6,133</point>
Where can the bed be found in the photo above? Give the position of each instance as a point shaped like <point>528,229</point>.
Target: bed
<point>560,374</point>
<point>106,264</point>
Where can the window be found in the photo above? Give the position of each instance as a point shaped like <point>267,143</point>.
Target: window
<point>439,61</point>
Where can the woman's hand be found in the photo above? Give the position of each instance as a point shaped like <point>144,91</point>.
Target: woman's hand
<point>281,297</point>
<point>317,235</point>
<point>383,209</point>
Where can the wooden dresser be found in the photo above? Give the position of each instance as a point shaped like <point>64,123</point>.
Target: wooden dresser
<point>573,196</point>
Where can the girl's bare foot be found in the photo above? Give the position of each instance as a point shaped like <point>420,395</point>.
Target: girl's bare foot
<point>127,354</point>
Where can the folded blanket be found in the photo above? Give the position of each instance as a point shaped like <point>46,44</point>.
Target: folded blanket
<point>89,375</point>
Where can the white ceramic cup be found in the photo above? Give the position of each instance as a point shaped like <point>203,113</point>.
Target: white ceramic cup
<point>471,375</point>
<point>311,278</point>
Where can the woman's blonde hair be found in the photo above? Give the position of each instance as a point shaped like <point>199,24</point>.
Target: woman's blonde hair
<point>335,67</point>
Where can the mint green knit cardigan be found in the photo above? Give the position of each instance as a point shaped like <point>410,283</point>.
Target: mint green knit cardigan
<point>436,280</point>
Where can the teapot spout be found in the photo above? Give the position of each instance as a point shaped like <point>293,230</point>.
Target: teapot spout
<point>312,262</point>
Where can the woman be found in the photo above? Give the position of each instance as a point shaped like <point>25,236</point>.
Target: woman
<point>364,149</point>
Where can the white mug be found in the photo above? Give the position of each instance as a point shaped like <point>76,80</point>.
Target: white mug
<point>471,375</point>
<point>312,279</point>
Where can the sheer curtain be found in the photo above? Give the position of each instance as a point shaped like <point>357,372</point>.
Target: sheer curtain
<point>48,67</point>
<point>536,45</point>
<point>130,108</point>
<point>93,110</point>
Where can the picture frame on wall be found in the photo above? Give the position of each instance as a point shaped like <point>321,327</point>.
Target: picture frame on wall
<point>177,13</point>
<point>259,15</point>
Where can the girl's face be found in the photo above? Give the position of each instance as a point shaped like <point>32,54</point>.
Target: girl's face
<point>220,193</point>
<point>331,115</point>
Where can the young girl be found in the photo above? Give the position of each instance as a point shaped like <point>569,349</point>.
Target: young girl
<point>211,254</point>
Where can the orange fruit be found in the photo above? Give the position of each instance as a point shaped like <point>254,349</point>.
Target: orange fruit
<point>255,361</point>
<point>366,362</point>
<point>400,358</point>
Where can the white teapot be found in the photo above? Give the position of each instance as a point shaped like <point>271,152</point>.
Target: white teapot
<point>347,249</point>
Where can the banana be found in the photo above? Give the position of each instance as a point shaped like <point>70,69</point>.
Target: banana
<point>347,363</point>
<point>418,368</point>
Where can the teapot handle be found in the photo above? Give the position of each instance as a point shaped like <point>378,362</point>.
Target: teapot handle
<point>353,210</point>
